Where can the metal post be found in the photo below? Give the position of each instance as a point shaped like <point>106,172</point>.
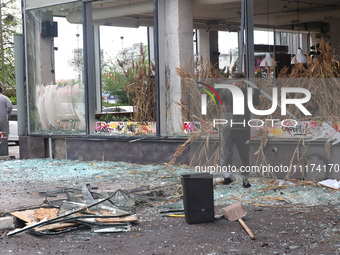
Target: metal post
<point>89,67</point>
<point>26,85</point>
<point>19,81</point>
<point>308,42</point>
<point>98,106</point>
<point>274,50</point>
<point>241,38</point>
<point>196,39</point>
<point>159,42</point>
<point>155,20</point>
<point>50,147</point>
<point>2,48</point>
<point>149,53</point>
<point>274,40</point>
<point>249,20</point>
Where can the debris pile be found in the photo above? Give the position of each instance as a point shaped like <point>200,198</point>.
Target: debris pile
<point>83,208</point>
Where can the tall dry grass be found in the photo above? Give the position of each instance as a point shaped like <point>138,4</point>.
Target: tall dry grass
<point>320,76</point>
<point>203,73</point>
<point>141,88</point>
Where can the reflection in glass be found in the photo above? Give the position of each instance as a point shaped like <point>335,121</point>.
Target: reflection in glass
<point>55,70</point>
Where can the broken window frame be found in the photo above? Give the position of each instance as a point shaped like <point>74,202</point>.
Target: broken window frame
<point>33,19</point>
<point>90,76</point>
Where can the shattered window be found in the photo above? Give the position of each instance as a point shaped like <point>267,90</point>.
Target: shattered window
<point>55,70</point>
<point>127,106</point>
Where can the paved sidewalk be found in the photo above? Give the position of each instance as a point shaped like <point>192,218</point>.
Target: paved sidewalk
<point>286,219</point>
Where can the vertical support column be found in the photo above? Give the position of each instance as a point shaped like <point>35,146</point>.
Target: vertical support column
<point>203,45</point>
<point>249,26</point>
<point>308,42</point>
<point>50,148</point>
<point>97,56</point>
<point>241,38</point>
<point>19,81</point>
<point>151,44</point>
<point>335,36</point>
<point>214,53</point>
<point>274,40</point>
<point>179,43</point>
<point>159,51</point>
<point>89,67</point>
<point>26,78</point>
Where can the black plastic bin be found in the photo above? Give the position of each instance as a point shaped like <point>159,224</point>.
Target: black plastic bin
<point>3,144</point>
<point>198,197</point>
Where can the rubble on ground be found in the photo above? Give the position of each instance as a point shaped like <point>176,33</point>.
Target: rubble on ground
<point>69,208</point>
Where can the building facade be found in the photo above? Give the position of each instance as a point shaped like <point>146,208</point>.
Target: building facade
<point>60,83</point>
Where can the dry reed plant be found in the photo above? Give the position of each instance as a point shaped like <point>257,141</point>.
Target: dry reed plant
<point>321,76</point>
<point>203,73</point>
<point>141,88</point>
<point>206,151</point>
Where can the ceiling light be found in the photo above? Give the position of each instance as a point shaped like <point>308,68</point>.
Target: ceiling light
<point>267,61</point>
<point>299,57</point>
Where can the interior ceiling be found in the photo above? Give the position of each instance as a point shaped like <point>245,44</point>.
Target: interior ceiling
<point>283,14</point>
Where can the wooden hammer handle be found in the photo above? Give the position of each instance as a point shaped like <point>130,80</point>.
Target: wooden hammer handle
<point>252,236</point>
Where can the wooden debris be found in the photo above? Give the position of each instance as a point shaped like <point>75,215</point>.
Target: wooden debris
<point>43,213</point>
<point>56,226</point>
<point>26,216</point>
<point>64,217</point>
<point>131,219</point>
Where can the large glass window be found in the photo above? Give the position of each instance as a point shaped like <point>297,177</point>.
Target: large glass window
<point>127,93</point>
<point>54,42</point>
<point>228,48</point>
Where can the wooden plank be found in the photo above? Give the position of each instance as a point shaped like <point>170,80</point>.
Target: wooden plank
<point>43,213</point>
<point>63,225</point>
<point>26,216</point>
<point>45,222</point>
<point>35,215</point>
<point>56,226</point>
<point>132,219</point>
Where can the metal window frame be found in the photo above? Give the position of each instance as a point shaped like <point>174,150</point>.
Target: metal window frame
<point>89,67</point>
<point>26,86</point>
<point>34,4</point>
<point>87,126</point>
<point>160,79</point>
<point>249,26</point>
<point>89,57</point>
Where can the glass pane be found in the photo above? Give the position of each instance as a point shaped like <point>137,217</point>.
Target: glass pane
<point>228,48</point>
<point>55,69</point>
<point>127,78</point>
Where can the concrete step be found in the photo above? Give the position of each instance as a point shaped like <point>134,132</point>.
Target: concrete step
<point>6,222</point>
